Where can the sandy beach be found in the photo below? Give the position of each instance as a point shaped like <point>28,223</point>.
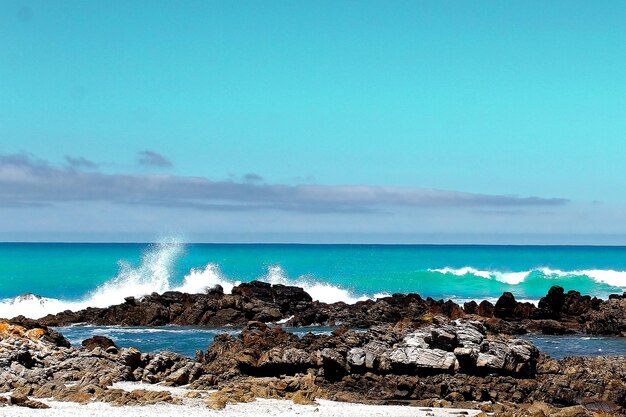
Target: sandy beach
<point>193,407</point>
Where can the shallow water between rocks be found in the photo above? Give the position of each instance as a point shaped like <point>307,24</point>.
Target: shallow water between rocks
<point>187,340</point>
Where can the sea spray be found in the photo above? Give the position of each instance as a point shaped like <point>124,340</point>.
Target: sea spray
<point>198,280</point>
<point>75,276</point>
<point>155,274</point>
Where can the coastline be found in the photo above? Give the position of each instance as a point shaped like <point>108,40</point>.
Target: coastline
<point>420,353</point>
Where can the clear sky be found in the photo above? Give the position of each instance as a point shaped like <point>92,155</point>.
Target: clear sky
<point>416,121</point>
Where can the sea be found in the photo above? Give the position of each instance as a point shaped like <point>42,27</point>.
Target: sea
<point>79,275</point>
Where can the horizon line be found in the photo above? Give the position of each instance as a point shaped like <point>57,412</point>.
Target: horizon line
<point>42,242</point>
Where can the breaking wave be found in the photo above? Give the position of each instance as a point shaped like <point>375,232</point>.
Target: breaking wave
<point>155,274</point>
<point>610,277</point>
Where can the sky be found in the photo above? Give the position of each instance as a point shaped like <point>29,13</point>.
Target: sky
<point>313,121</point>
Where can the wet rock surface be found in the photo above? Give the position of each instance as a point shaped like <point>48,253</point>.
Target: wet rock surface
<point>441,362</point>
<point>410,350</point>
<point>453,361</point>
<point>32,366</point>
<point>558,312</point>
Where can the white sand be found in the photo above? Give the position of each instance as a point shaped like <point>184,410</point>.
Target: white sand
<point>195,407</point>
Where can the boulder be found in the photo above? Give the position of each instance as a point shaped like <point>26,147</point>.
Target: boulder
<point>98,341</point>
<point>485,309</point>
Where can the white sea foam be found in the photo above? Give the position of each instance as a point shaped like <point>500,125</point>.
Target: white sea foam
<point>512,278</point>
<point>604,276</point>
<point>199,280</point>
<point>154,274</point>
<point>319,291</point>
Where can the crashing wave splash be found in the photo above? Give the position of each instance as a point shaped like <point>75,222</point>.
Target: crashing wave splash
<point>154,274</point>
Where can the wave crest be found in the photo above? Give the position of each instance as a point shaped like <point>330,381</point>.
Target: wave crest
<point>155,274</point>
<point>610,277</point>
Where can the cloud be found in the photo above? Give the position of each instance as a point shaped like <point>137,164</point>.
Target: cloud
<point>80,162</point>
<point>252,178</point>
<point>153,159</point>
<point>27,180</point>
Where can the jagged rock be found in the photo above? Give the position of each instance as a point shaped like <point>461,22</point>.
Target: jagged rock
<point>430,361</point>
<point>608,319</point>
<point>552,327</point>
<point>470,307</point>
<point>263,302</point>
<point>419,359</point>
<point>553,301</point>
<point>505,306</point>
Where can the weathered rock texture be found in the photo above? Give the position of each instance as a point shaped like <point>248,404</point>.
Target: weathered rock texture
<point>442,362</point>
<point>454,361</point>
<point>557,313</point>
<point>39,363</point>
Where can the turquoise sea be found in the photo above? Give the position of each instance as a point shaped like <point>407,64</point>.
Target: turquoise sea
<point>74,276</point>
<point>79,275</point>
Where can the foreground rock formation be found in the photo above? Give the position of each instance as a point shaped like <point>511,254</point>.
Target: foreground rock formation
<point>431,362</point>
<point>39,363</point>
<point>453,361</point>
<point>557,313</point>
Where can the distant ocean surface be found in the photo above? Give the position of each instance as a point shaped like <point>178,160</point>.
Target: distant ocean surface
<point>73,276</point>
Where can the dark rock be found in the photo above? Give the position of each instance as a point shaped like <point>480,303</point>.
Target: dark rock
<point>470,307</point>
<point>485,309</point>
<point>99,341</point>
<point>263,302</point>
<point>505,306</point>
<point>554,300</point>
<point>553,327</point>
<point>217,289</point>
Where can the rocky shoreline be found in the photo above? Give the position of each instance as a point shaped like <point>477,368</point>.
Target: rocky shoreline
<point>401,349</point>
<point>559,312</point>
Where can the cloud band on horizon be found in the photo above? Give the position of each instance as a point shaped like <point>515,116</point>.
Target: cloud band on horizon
<point>29,181</point>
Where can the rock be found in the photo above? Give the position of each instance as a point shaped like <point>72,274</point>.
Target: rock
<point>303,397</point>
<point>505,306</point>
<point>470,307</point>
<point>553,327</point>
<point>26,402</point>
<point>485,309</point>
<point>263,302</point>
<point>145,397</point>
<point>608,319</point>
<point>433,360</point>
<point>217,289</point>
<point>575,411</point>
<point>419,359</point>
<point>33,330</point>
<point>553,301</point>
<point>98,341</point>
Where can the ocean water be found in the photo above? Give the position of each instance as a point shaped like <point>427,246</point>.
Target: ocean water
<point>73,276</point>
<point>187,340</point>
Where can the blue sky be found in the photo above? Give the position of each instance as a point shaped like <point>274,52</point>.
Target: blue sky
<point>489,102</point>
